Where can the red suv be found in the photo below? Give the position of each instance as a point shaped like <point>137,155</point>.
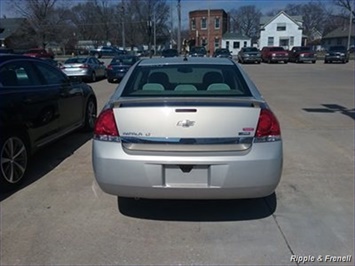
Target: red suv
<point>300,54</point>
<point>39,53</point>
<point>274,54</point>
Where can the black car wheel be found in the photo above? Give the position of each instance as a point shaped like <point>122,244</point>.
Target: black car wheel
<point>110,80</point>
<point>90,115</point>
<point>93,77</point>
<point>14,160</point>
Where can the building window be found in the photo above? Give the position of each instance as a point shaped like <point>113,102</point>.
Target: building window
<point>216,23</point>
<point>270,41</point>
<point>339,41</point>
<point>281,27</point>
<point>227,44</point>
<point>193,24</point>
<point>245,44</point>
<point>236,45</point>
<point>292,41</point>
<point>216,43</point>
<point>203,23</point>
<point>204,42</point>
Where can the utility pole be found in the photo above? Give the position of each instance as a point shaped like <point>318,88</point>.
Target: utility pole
<point>123,29</point>
<point>350,24</point>
<point>179,28</point>
<point>155,33</point>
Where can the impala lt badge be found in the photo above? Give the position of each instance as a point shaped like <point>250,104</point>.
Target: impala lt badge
<point>185,123</point>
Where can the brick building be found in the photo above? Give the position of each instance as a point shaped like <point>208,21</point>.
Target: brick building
<point>206,28</point>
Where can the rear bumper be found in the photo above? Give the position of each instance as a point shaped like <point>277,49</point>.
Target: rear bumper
<point>254,174</point>
<point>279,59</point>
<point>335,58</point>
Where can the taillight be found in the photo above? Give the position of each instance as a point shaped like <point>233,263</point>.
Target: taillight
<point>105,126</point>
<point>84,66</point>
<point>268,128</point>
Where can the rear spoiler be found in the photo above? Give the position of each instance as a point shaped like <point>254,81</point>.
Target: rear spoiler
<point>196,101</point>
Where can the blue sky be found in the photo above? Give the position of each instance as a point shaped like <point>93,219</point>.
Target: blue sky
<point>189,5</point>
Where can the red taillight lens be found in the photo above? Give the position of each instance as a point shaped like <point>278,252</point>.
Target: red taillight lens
<point>84,66</point>
<point>105,124</point>
<point>267,125</point>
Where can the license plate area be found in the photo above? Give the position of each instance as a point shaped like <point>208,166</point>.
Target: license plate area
<point>186,175</point>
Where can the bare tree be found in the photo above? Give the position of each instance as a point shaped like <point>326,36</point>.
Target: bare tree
<point>42,16</point>
<point>246,20</point>
<point>346,5</point>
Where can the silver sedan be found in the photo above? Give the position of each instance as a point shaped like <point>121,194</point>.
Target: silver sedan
<point>187,128</point>
<point>88,68</point>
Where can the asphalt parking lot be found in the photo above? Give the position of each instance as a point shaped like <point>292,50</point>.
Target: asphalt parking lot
<point>60,215</point>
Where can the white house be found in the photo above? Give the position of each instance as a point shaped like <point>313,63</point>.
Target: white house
<point>281,30</point>
<point>234,42</point>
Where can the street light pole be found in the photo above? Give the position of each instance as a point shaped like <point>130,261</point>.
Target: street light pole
<point>350,24</point>
<point>123,28</point>
<point>179,28</point>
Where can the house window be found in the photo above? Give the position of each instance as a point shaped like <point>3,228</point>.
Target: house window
<point>216,43</point>
<point>236,45</point>
<point>216,23</point>
<point>292,41</point>
<point>281,27</point>
<point>339,41</point>
<point>203,23</point>
<point>227,44</point>
<point>245,44</point>
<point>270,41</point>
<point>193,24</point>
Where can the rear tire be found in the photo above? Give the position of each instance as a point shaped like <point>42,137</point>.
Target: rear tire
<point>90,115</point>
<point>93,77</point>
<point>14,156</point>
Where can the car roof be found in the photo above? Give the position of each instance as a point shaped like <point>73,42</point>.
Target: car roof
<point>185,61</point>
<point>5,57</point>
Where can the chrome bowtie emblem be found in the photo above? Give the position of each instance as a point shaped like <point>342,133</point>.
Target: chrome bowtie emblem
<point>185,123</point>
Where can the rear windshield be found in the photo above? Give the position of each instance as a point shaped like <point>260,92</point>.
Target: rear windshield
<point>277,49</point>
<point>251,49</point>
<point>186,80</point>
<point>75,60</point>
<point>123,60</point>
<point>337,48</point>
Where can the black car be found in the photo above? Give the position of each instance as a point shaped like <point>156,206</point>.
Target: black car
<point>6,50</point>
<point>336,54</point>
<point>249,55</point>
<point>38,104</point>
<point>106,51</point>
<point>170,53</point>
<point>119,66</point>
<point>197,51</point>
<point>222,53</point>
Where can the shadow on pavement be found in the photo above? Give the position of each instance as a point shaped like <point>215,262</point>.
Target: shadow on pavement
<point>48,158</point>
<point>198,210</point>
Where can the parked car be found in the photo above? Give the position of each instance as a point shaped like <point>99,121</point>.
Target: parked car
<point>4,50</point>
<point>169,53</point>
<point>249,55</point>
<point>38,104</point>
<point>197,51</point>
<point>274,54</point>
<point>187,128</point>
<point>87,68</point>
<point>106,51</point>
<point>336,54</point>
<point>119,66</point>
<point>300,54</point>
<point>222,53</point>
<point>39,53</point>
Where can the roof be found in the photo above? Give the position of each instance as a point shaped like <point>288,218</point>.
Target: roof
<point>189,61</point>
<point>10,25</point>
<point>266,20</point>
<point>340,32</point>
<point>234,36</point>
